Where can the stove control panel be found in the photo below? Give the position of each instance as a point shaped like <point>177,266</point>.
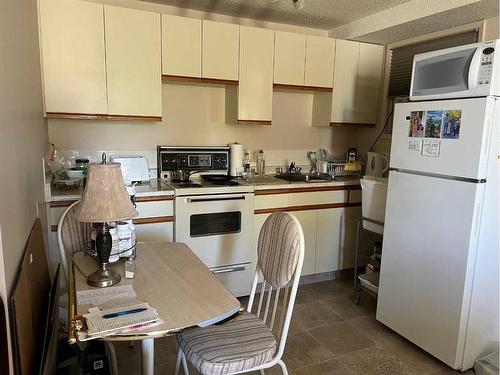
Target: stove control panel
<point>192,158</point>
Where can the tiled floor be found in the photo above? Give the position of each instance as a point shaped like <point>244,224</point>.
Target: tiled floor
<point>329,335</point>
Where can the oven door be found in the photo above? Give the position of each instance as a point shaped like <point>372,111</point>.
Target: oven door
<point>445,74</point>
<point>218,228</point>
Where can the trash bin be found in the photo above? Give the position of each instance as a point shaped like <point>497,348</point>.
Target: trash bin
<point>374,195</point>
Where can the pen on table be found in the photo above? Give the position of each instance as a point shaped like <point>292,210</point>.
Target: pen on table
<point>126,312</point>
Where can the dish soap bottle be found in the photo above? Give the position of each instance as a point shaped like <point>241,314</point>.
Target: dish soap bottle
<point>261,163</point>
<point>246,162</point>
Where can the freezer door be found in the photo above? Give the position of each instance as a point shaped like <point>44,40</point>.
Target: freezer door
<point>428,258</point>
<point>445,137</point>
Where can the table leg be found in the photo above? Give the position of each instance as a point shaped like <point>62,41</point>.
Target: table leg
<point>148,356</point>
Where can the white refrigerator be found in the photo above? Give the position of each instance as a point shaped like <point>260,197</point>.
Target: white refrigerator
<point>439,280</point>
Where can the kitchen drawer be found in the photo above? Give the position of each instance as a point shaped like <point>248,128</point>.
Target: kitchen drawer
<point>155,209</point>
<point>317,197</point>
<point>271,201</point>
<point>237,278</point>
<point>155,232</point>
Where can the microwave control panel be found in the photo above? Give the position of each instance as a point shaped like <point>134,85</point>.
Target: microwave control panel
<point>486,67</point>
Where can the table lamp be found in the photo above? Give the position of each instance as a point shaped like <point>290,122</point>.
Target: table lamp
<point>105,199</point>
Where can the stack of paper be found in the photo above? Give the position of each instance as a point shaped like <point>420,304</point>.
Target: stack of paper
<point>116,311</point>
<point>118,319</point>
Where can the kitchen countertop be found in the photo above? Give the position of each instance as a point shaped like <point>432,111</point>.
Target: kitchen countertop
<point>157,187</point>
<point>154,188</point>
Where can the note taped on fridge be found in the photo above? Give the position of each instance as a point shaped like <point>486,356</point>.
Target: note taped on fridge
<point>415,145</point>
<point>431,147</point>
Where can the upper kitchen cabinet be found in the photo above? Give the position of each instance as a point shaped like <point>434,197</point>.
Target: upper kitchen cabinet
<point>371,59</point>
<point>255,93</point>
<point>320,57</point>
<point>181,42</point>
<point>220,51</point>
<point>356,83</point>
<point>133,63</point>
<point>73,58</point>
<point>289,58</point>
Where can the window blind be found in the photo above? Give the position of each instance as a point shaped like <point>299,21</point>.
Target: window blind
<point>402,58</point>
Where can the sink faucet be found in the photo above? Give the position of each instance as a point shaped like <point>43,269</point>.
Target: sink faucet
<point>292,168</point>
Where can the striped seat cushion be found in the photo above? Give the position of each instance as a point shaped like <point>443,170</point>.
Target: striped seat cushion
<point>240,344</point>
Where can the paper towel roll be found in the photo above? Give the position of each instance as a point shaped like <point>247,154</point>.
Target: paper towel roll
<point>235,159</point>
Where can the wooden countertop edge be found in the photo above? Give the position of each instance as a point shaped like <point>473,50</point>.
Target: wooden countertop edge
<point>311,189</point>
<point>306,207</point>
<point>254,122</point>
<point>151,220</point>
<point>141,199</point>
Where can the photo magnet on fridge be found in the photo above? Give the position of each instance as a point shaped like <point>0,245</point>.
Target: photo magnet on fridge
<point>433,123</point>
<point>416,124</point>
<point>451,124</point>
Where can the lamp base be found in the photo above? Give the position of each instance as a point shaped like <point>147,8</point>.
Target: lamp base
<point>103,277</point>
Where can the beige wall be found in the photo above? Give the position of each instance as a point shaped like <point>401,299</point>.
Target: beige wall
<point>204,115</point>
<point>23,133</point>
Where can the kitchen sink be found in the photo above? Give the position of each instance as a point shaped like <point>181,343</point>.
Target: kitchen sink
<point>303,177</point>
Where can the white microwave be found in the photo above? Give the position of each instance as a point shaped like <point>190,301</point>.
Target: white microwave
<point>465,71</point>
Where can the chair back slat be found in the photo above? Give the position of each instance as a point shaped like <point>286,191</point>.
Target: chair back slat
<point>275,308</point>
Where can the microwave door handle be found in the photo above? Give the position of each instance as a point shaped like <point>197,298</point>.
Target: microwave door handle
<point>474,69</point>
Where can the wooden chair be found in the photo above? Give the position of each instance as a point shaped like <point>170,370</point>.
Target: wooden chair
<point>254,340</point>
<point>73,236</point>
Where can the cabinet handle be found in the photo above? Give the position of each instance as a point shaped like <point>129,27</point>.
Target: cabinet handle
<point>193,200</point>
<point>227,270</point>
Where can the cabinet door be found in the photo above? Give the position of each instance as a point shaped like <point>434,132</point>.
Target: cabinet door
<point>181,46</point>
<point>72,53</point>
<point>220,50</point>
<point>330,241</point>
<point>345,78</point>
<point>133,62</point>
<point>289,58</point>
<point>371,59</point>
<point>308,221</point>
<point>155,232</point>
<point>352,214</point>
<point>255,92</point>
<point>320,57</point>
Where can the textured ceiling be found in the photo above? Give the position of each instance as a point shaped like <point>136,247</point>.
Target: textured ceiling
<point>320,14</point>
<point>436,22</point>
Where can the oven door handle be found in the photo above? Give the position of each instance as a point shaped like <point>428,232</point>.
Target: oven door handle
<point>230,269</point>
<point>218,199</point>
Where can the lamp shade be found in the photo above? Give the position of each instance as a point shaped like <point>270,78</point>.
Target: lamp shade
<point>105,197</point>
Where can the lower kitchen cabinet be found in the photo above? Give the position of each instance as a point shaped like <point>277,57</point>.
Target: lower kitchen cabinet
<point>308,221</point>
<point>336,238</point>
<point>329,233</point>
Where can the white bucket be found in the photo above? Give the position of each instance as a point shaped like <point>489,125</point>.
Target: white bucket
<point>374,194</point>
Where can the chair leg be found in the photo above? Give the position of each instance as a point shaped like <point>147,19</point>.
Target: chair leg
<point>178,362</point>
<point>262,372</point>
<point>184,364</point>
<point>110,349</point>
<point>283,367</point>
